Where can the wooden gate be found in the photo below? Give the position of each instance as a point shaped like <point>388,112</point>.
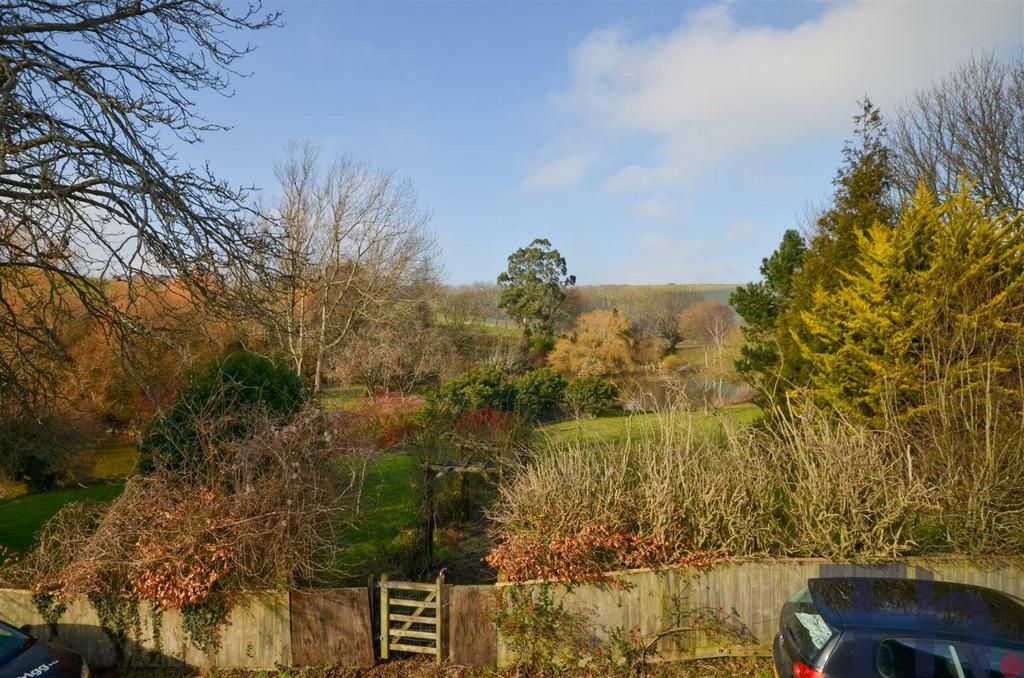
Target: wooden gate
<point>411,617</point>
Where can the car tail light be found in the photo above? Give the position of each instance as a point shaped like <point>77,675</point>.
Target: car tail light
<point>801,670</point>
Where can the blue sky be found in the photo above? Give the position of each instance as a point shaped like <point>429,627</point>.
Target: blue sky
<point>650,142</point>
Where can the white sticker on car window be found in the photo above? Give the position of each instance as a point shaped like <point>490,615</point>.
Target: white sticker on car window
<point>816,627</point>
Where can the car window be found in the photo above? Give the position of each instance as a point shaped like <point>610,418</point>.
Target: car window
<point>1001,662</point>
<point>11,643</point>
<point>806,628</point>
<point>921,658</point>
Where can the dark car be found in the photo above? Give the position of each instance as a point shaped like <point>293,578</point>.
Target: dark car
<point>22,656</point>
<point>847,627</point>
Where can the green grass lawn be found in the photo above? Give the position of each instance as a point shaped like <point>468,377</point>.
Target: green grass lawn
<point>380,529</point>
<point>610,429</point>
<point>115,459</point>
<point>341,397</point>
<point>21,518</point>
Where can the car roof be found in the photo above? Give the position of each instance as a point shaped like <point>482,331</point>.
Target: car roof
<point>919,606</point>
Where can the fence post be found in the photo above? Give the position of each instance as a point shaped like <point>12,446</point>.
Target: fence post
<point>439,616</point>
<point>371,592</point>
<point>384,638</point>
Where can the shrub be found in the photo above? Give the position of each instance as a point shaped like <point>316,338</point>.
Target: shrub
<point>600,343</point>
<point>813,487</point>
<point>590,395</point>
<point>264,516</point>
<point>485,421</point>
<point>224,393</point>
<point>388,419</point>
<point>540,393</point>
<point>541,344</point>
<point>471,391</point>
<point>42,453</point>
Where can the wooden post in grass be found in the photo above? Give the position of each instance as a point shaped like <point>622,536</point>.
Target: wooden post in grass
<point>439,616</point>
<point>428,518</point>
<point>385,639</point>
<point>371,593</point>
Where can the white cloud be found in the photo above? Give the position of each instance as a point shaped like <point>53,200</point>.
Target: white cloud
<point>661,258</point>
<point>657,208</point>
<point>562,172</point>
<point>711,90</point>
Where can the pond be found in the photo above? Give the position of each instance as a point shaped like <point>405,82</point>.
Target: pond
<point>659,391</point>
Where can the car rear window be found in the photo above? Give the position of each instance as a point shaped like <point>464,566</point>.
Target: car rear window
<point>912,657</point>
<point>805,626</point>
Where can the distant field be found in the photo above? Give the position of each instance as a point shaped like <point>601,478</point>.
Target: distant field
<point>341,397</point>
<point>114,459</point>
<point>627,293</point>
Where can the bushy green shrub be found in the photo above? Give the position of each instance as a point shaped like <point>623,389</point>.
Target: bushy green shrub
<point>473,390</point>
<point>232,386</point>
<point>540,393</point>
<point>591,395</point>
<point>541,344</point>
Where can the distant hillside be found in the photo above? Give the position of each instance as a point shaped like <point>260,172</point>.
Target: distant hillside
<point>642,304</point>
<point>714,292</point>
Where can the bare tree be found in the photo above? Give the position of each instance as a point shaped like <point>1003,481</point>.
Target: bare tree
<point>656,314</point>
<point>356,244</point>
<point>400,351</point>
<point>710,324</point>
<point>92,93</point>
<point>472,303</point>
<point>970,124</point>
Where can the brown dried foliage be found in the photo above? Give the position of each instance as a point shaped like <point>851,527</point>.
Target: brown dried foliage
<point>261,515</point>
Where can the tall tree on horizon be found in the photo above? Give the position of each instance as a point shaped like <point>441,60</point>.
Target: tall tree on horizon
<point>534,287</point>
<point>968,125</point>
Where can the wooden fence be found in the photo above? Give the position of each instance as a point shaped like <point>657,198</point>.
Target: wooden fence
<point>336,626</point>
<point>257,633</point>
<point>745,596</point>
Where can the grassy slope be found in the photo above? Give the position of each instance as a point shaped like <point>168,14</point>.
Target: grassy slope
<point>611,429</point>
<point>22,517</point>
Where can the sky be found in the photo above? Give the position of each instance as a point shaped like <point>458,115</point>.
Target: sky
<point>650,142</point>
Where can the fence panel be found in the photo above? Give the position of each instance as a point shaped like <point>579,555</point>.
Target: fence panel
<point>746,595</point>
<point>256,633</point>
<point>472,636</point>
<point>332,626</point>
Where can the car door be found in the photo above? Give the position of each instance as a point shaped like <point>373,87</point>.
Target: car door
<point>924,658</point>
<point>996,661</point>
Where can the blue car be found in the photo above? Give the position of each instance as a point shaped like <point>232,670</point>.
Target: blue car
<point>22,656</point>
<point>849,627</point>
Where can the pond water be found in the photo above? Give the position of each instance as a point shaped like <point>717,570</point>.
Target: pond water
<point>658,391</point>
